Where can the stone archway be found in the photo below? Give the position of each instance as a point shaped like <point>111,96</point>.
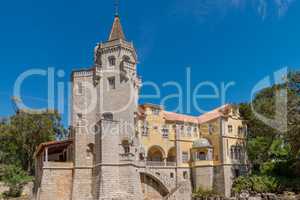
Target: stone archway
<point>152,187</point>
<point>156,154</point>
<point>171,155</point>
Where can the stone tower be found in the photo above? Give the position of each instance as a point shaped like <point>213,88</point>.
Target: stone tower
<point>106,147</point>
<point>116,143</point>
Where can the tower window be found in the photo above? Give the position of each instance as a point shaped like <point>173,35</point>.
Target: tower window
<point>112,83</point>
<point>79,116</point>
<point>126,59</point>
<point>79,119</point>
<point>185,175</point>
<point>108,116</point>
<point>142,156</point>
<point>112,61</point>
<point>230,129</point>
<point>126,146</point>
<point>171,175</point>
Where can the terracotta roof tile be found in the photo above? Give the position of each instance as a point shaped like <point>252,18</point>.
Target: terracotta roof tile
<point>214,114</point>
<point>171,116</point>
<point>42,146</point>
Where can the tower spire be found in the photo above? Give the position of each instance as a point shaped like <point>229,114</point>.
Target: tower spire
<point>117,30</point>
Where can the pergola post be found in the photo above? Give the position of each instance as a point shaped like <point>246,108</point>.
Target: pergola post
<point>46,155</point>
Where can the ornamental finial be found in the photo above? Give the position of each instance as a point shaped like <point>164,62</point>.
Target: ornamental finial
<point>117,4</point>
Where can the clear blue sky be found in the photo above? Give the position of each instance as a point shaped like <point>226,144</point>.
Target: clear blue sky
<point>220,40</point>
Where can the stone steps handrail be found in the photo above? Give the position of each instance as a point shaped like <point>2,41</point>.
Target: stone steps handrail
<point>160,176</point>
<point>174,190</point>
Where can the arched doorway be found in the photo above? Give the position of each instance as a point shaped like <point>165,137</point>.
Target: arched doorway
<point>156,154</point>
<point>172,155</point>
<point>152,188</point>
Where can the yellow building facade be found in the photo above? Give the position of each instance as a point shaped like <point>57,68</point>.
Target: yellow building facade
<point>210,150</point>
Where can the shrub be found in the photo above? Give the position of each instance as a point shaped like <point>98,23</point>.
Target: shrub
<point>255,183</point>
<point>289,184</point>
<point>201,192</point>
<point>14,178</point>
<point>264,184</point>
<point>242,183</point>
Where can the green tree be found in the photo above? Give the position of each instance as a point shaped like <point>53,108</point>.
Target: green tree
<point>274,152</point>
<point>293,134</point>
<point>21,135</point>
<point>15,178</point>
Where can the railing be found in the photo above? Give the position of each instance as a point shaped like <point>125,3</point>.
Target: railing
<point>172,164</point>
<point>173,191</point>
<point>160,163</point>
<point>202,162</point>
<point>155,163</point>
<point>127,157</point>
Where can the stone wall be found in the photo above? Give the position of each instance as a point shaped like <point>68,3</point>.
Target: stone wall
<point>203,177</point>
<point>56,182</point>
<point>219,181</point>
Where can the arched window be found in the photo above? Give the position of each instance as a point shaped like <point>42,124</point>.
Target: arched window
<point>126,146</point>
<point>108,116</point>
<point>185,175</point>
<point>112,61</point>
<point>142,156</point>
<point>90,150</point>
<point>126,59</point>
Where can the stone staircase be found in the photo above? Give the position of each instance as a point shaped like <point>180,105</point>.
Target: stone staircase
<point>180,189</point>
<point>159,175</point>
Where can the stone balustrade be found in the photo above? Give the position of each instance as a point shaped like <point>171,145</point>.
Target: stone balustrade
<point>160,163</point>
<point>155,163</point>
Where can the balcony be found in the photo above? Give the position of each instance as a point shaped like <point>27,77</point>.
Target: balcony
<point>160,164</point>
<point>171,164</point>
<point>202,163</point>
<point>127,157</point>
